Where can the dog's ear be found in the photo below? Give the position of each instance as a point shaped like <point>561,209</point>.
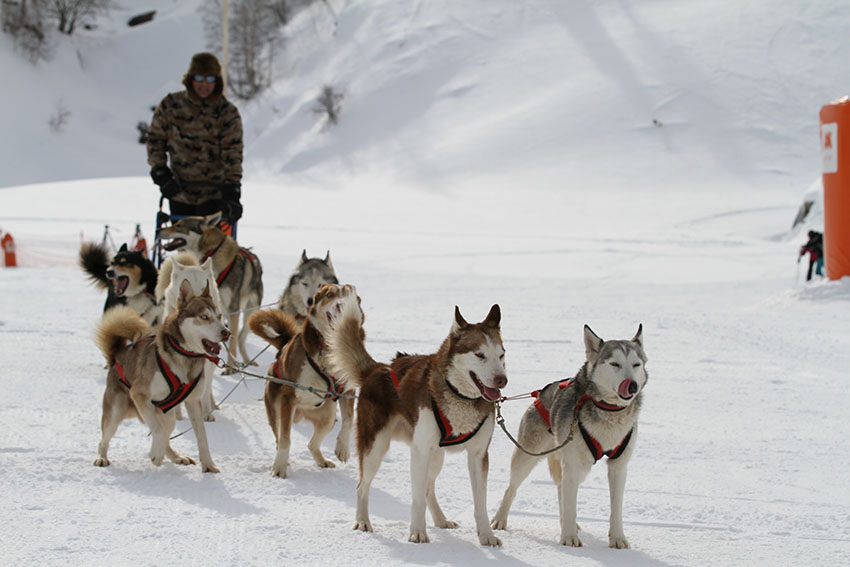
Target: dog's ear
<point>303,257</point>
<point>493,317</point>
<point>213,219</point>
<point>459,322</point>
<point>123,248</point>
<point>208,266</point>
<point>186,293</point>
<point>206,292</point>
<point>592,344</point>
<point>328,261</point>
<point>638,338</point>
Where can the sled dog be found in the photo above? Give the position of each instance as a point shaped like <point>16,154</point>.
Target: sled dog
<point>128,277</point>
<point>174,270</point>
<point>435,403</point>
<point>599,408</point>
<point>154,373</point>
<point>238,271</point>
<point>301,359</point>
<point>309,275</point>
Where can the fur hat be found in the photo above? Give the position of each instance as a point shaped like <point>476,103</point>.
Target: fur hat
<point>204,63</point>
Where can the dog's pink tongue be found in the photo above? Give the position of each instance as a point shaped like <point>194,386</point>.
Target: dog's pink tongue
<point>491,394</point>
<point>623,389</point>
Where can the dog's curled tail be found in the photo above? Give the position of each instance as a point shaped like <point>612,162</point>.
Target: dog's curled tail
<point>347,356</point>
<point>273,326</point>
<point>94,260</point>
<point>118,326</point>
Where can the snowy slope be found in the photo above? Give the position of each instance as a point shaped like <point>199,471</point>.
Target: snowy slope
<point>492,152</point>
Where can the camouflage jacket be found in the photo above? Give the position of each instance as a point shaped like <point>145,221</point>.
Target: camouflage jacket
<point>202,138</point>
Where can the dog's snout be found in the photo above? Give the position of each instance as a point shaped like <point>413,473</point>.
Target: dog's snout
<point>110,273</point>
<point>633,387</point>
<point>225,334</point>
<point>500,380</point>
<point>309,301</point>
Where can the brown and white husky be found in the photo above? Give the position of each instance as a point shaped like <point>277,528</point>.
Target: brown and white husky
<point>301,361</point>
<point>435,403</point>
<point>151,375</point>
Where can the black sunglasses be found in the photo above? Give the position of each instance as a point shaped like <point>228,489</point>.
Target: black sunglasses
<point>203,78</point>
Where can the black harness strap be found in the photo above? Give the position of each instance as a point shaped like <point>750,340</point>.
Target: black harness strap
<point>592,444</point>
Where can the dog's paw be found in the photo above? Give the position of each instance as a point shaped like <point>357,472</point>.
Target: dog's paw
<point>228,371</point>
<point>490,540</point>
<point>499,523</point>
<point>279,472</point>
<point>181,460</point>
<point>417,536</point>
<point>342,451</point>
<point>364,526</point>
<point>209,467</point>
<point>326,464</point>
<point>571,540</point>
<point>619,542</point>
<point>209,416</point>
<point>445,524</point>
<point>156,459</point>
<point>101,462</point>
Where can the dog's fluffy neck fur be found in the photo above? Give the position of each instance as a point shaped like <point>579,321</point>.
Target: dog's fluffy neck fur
<point>219,246</point>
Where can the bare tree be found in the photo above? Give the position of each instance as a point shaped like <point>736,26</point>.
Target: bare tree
<point>24,20</point>
<point>254,34</point>
<point>70,13</point>
<point>59,119</point>
<point>329,104</point>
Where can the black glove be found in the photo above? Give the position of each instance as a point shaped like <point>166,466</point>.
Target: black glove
<point>231,211</point>
<point>168,184</point>
<point>231,208</point>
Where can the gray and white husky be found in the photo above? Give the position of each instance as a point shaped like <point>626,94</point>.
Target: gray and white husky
<point>238,271</point>
<point>598,410</point>
<point>175,270</point>
<point>308,277</point>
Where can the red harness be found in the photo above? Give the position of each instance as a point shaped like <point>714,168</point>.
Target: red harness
<point>447,437</point>
<point>226,270</point>
<point>592,444</point>
<point>178,391</point>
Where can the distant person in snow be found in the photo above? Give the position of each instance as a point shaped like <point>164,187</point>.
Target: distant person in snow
<point>814,247</point>
<point>195,146</point>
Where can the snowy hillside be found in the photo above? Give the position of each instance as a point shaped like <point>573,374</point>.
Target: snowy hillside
<point>488,152</point>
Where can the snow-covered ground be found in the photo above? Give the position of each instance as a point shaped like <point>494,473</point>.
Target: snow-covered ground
<point>494,152</point>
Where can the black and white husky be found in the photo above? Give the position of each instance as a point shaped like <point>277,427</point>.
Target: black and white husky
<point>598,411</point>
<point>128,277</point>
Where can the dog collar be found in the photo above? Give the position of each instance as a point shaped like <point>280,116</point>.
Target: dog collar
<point>211,252</point>
<point>454,389</point>
<point>191,354</point>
